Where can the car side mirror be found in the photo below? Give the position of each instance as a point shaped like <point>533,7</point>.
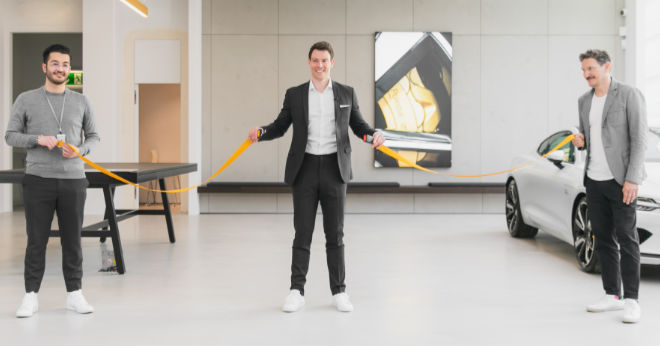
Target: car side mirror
<point>557,157</point>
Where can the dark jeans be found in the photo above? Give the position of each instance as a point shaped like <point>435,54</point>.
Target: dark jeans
<point>319,180</point>
<point>617,242</point>
<point>43,197</point>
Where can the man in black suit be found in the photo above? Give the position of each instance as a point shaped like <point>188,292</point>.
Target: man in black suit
<point>318,167</point>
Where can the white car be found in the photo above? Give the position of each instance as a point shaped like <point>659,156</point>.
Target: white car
<point>548,194</point>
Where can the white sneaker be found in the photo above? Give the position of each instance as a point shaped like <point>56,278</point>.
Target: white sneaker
<point>631,311</point>
<point>29,306</point>
<point>75,301</point>
<point>342,302</point>
<point>293,302</point>
<point>607,303</point>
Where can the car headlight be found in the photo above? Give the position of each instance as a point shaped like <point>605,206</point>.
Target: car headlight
<point>647,204</point>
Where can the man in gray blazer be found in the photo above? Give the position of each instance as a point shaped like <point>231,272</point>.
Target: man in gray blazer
<point>613,127</point>
<point>318,167</point>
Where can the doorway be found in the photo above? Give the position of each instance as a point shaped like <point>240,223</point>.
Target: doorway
<point>159,109</point>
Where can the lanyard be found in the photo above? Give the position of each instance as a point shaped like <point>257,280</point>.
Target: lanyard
<point>59,122</point>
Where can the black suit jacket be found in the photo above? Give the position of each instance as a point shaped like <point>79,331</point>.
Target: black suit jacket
<point>295,111</point>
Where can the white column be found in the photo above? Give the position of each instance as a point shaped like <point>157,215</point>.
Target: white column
<point>194,99</point>
<point>632,42</point>
<point>100,85</point>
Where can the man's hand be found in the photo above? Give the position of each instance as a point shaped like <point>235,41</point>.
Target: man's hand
<point>49,142</point>
<point>68,152</point>
<point>578,140</point>
<point>379,139</point>
<point>253,135</point>
<point>629,192</point>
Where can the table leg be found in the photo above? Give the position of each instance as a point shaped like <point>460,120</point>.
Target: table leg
<point>111,216</point>
<point>168,212</point>
<point>106,215</point>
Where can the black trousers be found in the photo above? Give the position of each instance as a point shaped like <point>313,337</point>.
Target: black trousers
<point>319,180</point>
<point>43,197</point>
<point>617,243</point>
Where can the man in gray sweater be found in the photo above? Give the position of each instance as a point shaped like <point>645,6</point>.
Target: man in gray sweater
<point>54,177</point>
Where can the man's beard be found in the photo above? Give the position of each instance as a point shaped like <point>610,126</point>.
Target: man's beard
<point>54,81</point>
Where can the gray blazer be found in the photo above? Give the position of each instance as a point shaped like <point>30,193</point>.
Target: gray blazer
<point>624,131</point>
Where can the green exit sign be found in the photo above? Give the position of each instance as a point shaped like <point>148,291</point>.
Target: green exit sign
<point>75,78</point>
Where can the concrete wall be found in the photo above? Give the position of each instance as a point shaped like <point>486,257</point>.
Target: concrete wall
<point>516,78</point>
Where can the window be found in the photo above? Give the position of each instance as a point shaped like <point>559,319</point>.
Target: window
<point>554,140</point>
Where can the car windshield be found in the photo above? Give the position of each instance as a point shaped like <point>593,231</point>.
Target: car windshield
<point>653,145</point>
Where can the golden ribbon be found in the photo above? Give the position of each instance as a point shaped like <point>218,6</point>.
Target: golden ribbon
<point>247,143</point>
<point>229,161</point>
<point>393,154</point>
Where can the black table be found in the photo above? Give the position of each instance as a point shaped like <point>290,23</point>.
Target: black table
<point>134,172</point>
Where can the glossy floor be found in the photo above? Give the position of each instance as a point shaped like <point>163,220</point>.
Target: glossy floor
<point>414,280</point>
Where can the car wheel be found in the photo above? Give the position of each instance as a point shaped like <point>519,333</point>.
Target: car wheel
<point>583,238</point>
<point>514,220</point>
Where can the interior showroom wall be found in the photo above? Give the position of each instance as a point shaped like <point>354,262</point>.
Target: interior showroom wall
<point>515,79</point>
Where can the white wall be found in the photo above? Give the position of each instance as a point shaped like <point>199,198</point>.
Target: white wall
<point>516,78</point>
<point>157,61</point>
<point>109,32</point>
<point>27,16</point>
<point>643,43</point>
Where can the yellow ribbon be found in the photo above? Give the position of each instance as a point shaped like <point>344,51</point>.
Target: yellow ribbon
<point>393,154</point>
<point>247,143</point>
<point>229,161</point>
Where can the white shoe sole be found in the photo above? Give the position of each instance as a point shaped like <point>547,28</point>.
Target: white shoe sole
<point>630,320</point>
<point>342,309</point>
<point>614,308</point>
<point>293,309</point>
<point>290,310</point>
<point>80,312</point>
<point>25,315</point>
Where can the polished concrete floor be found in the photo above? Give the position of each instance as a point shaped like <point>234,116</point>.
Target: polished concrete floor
<point>414,280</point>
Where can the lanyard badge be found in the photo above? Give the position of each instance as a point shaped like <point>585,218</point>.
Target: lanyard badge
<point>59,122</point>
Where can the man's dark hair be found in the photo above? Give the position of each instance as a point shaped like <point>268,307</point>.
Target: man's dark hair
<point>321,45</point>
<point>59,48</point>
<point>600,55</point>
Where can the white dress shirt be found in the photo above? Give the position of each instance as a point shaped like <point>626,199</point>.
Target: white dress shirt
<point>322,131</point>
<point>598,168</point>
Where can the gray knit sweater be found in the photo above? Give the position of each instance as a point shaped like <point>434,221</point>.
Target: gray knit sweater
<point>31,116</point>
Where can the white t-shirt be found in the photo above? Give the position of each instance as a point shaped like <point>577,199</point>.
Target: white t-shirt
<point>598,168</point>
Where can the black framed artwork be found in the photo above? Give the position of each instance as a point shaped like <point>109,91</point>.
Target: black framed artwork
<point>413,73</point>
